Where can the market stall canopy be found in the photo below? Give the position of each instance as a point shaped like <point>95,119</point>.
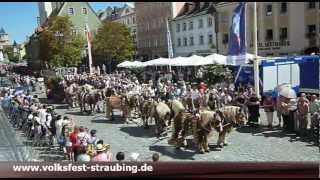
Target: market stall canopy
<point>240,59</point>
<point>123,64</point>
<point>158,62</point>
<point>130,64</point>
<point>215,58</point>
<point>194,60</point>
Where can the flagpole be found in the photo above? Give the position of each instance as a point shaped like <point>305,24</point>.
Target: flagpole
<point>255,51</point>
<point>89,50</point>
<point>170,53</point>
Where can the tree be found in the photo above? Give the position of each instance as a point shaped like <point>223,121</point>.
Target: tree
<point>217,73</point>
<point>10,54</point>
<point>113,42</point>
<point>58,46</point>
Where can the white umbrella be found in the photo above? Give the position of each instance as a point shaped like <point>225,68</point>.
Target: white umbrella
<point>123,64</point>
<point>288,93</point>
<point>240,59</point>
<point>158,62</point>
<point>216,58</point>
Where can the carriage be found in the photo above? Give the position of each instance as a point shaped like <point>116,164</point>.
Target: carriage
<point>118,103</point>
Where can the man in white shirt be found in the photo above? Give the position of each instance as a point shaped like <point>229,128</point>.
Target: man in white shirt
<point>59,126</point>
<point>82,137</point>
<point>42,115</point>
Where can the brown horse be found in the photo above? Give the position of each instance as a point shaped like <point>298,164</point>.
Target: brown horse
<point>200,126</point>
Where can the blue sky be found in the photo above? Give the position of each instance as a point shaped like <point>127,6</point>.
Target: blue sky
<point>19,19</point>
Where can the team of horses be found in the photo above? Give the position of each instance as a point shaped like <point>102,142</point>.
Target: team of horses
<point>200,124</point>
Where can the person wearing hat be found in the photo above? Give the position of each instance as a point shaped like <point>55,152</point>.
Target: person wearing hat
<point>269,106</point>
<point>103,154</point>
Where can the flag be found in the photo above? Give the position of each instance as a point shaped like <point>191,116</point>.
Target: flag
<point>170,49</point>
<point>237,33</point>
<point>89,35</point>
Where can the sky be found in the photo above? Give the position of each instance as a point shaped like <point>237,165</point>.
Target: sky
<point>19,19</point>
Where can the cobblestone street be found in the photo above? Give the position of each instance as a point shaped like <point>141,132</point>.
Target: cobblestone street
<point>246,144</point>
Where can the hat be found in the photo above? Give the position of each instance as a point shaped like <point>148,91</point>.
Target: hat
<point>100,147</point>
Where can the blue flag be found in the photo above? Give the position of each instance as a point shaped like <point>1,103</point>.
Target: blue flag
<point>237,34</point>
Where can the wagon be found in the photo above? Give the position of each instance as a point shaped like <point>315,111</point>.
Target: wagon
<point>118,103</point>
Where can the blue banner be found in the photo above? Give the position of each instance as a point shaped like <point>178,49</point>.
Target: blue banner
<point>237,34</point>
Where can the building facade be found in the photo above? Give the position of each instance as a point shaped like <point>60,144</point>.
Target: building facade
<point>151,20</point>
<point>125,15</point>
<point>4,38</point>
<point>80,14</point>
<point>284,28</point>
<point>193,30</point>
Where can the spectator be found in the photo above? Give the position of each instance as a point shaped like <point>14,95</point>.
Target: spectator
<point>314,104</point>
<point>120,156</point>
<point>93,137</point>
<point>100,141</point>
<point>292,121</point>
<point>269,105</point>
<point>303,109</point>
<point>253,107</point>
<point>102,154</point>
<point>82,154</point>
<point>82,137</point>
<point>155,157</point>
<point>74,134</point>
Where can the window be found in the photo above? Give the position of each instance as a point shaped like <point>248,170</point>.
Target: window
<point>209,21</point>
<point>70,11</point>
<point>133,20</point>
<point>269,35</point>
<point>84,11</point>
<point>190,25</point>
<point>269,54</point>
<point>283,34</point>
<point>201,40</point>
<point>311,5</point>
<point>225,39</point>
<point>74,32</point>
<point>179,42</point>
<point>210,39</point>
<point>128,21</point>
<point>311,31</point>
<point>184,26</point>
<point>178,27</point>
<point>156,43</point>
<point>283,7</point>
<point>191,41</point>
<point>200,23</point>
<point>149,43</point>
<point>185,41</point>
<point>269,10</point>
<point>312,28</point>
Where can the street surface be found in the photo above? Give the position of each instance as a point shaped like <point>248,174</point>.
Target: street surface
<point>246,144</point>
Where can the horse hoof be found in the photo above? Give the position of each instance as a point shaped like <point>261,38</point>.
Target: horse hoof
<point>207,150</point>
<point>226,144</point>
<point>201,151</point>
<point>220,146</point>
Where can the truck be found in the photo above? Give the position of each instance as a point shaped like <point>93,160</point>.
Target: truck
<point>301,72</point>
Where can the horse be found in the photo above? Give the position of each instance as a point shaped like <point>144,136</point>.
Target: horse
<point>71,94</point>
<point>199,125</point>
<point>231,116</point>
<point>91,98</point>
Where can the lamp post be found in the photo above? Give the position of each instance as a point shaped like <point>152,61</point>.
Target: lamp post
<point>255,51</point>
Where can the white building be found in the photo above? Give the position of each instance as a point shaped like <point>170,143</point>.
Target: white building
<point>193,30</point>
<point>125,15</point>
<point>284,28</point>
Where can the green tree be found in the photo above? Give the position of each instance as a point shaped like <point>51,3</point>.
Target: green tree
<point>58,46</point>
<point>113,42</point>
<point>217,73</point>
<point>11,55</point>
